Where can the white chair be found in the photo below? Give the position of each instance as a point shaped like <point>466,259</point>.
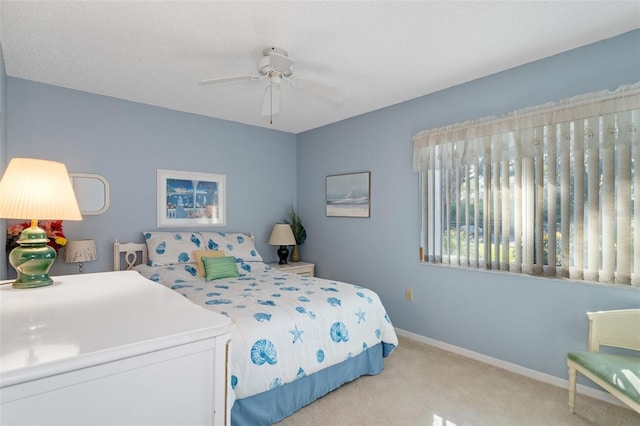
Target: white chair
<point>130,251</point>
<point>617,374</point>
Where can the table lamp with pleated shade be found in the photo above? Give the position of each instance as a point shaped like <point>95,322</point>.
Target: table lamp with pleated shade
<point>37,190</point>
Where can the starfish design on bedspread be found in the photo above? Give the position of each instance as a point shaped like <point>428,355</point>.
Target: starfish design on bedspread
<point>297,334</point>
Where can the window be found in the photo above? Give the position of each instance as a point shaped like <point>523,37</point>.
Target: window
<point>548,190</point>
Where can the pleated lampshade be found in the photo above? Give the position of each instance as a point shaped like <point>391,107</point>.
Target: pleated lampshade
<point>37,189</point>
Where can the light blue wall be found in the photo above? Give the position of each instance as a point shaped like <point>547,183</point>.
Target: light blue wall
<point>528,321</point>
<point>126,142</point>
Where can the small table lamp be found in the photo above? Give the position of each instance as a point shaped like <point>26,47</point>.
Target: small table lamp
<point>36,189</point>
<point>78,251</point>
<point>282,236</point>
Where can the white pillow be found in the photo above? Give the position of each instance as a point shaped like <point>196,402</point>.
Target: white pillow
<point>168,248</point>
<point>235,244</point>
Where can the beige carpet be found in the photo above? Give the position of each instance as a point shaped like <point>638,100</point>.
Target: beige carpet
<point>423,385</point>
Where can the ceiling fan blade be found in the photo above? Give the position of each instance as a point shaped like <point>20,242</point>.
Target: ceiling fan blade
<point>320,90</point>
<point>271,103</point>
<point>280,62</point>
<point>227,79</point>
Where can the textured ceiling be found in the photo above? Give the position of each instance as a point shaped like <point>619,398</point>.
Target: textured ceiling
<point>381,53</point>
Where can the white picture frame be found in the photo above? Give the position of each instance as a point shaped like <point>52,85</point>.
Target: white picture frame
<point>190,199</point>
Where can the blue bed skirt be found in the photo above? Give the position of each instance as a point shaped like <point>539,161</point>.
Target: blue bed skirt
<point>270,407</point>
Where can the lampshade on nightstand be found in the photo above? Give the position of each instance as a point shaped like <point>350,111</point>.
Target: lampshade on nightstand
<point>282,236</point>
<point>79,251</point>
<point>35,189</point>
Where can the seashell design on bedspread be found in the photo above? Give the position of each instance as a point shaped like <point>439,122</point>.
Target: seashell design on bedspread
<point>288,326</point>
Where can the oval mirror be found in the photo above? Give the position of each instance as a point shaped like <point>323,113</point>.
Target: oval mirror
<point>92,192</point>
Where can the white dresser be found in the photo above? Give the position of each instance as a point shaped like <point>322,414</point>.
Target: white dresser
<point>110,349</point>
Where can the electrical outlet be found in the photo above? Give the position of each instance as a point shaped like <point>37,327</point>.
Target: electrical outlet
<point>408,294</point>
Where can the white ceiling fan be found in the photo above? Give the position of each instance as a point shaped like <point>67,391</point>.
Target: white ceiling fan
<point>277,66</point>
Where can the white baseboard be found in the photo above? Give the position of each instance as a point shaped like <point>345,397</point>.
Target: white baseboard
<point>514,368</point>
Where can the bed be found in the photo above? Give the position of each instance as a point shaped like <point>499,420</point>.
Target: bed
<point>295,338</point>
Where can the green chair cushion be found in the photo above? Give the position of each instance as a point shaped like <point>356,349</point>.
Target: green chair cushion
<point>620,371</point>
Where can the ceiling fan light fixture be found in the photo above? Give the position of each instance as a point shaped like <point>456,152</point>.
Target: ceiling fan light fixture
<point>275,78</point>
<point>276,64</point>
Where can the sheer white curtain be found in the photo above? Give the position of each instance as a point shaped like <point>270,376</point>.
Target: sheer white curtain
<point>547,190</point>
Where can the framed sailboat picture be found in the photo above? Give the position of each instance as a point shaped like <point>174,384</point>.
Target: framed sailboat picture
<point>349,195</point>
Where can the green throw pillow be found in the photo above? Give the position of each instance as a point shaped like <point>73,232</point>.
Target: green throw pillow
<point>219,267</point>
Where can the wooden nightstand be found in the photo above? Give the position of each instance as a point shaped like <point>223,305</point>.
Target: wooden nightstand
<point>301,268</point>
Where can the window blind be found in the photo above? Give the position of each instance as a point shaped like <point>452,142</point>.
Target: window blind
<point>548,190</point>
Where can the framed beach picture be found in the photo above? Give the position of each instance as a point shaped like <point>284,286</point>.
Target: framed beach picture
<point>348,195</point>
<point>191,199</point>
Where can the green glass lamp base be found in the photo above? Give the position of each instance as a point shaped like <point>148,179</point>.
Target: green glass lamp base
<point>33,259</point>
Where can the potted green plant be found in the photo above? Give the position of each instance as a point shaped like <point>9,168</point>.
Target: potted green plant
<point>299,233</point>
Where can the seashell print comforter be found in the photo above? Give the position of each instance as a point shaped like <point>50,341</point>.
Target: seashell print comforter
<point>287,325</point>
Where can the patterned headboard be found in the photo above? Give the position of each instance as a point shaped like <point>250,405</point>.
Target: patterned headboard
<point>136,253</point>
